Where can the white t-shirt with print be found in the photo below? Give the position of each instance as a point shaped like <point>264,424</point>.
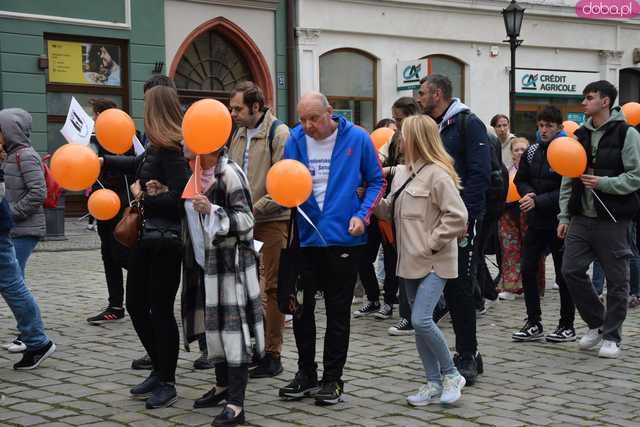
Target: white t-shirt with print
<point>319,152</point>
<point>245,160</point>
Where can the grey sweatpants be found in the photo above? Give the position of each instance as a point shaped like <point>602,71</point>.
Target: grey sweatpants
<point>608,242</point>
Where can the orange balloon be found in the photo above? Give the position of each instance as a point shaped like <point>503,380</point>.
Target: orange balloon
<point>104,204</point>
<point>75,167</point>
<point>115,130</point>
<point>631,112</point>
<point>206,126</point>
<point>512,194</point>
<point>381,136</point>
<point>289,183</point>
<point>569,126</point>
<point>567,157</point>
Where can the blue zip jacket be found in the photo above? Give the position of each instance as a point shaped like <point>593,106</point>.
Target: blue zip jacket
<point>471,157</point>
<point>354,162</point>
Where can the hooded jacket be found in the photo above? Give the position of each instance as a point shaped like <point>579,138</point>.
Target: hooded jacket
<point>472,159</point>
<point>24,179</point>
<point>626,183</point>
<point>354,161</point>
<point>5,213</point>
<point>536,176</point>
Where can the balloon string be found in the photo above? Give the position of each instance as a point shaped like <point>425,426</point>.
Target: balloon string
<point>100,183</point>
<point>304,215</point>
<point>603,205</point>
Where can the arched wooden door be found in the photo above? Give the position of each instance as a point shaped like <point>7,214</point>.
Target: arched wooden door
<point>213,59</point>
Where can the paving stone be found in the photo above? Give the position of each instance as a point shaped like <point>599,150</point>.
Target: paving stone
<point>87,381</point>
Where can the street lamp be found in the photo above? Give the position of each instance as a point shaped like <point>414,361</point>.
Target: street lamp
<point>513,16</point>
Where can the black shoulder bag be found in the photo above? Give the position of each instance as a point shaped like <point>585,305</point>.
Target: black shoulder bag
<point>290,271</point>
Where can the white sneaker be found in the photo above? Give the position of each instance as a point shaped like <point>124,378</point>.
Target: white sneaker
<point>592,338</point>
<point>609,349</point>
<point>15,346</point>
<point>452,385</point>
<point>555,286</point>
<point>425,395</point>
<point>507,296</point>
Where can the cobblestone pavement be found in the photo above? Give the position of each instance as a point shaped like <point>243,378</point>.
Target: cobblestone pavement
<point>86,382</point>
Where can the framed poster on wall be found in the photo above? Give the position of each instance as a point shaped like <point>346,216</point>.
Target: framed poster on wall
<point>84,63</point>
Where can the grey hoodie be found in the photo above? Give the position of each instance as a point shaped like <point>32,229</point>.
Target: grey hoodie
<point>25,188</point>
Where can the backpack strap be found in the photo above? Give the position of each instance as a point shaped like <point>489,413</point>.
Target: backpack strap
<point>462,129</point>
<point>272,135</point>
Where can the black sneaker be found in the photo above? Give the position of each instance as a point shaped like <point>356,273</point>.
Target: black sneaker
<point>228,417</point>
<point>529,332</point>
<point>562,334</point>
<point>146,387</point>
<point>385,312</point>
<point>301,386</point>
<point>369,308</point>
<point>163,396</point>
<point>143,363</point>
<point>403,327</point>
<point>269,366</point>
<point>31,359</point>
<point>109,314</point>
<point>330,393</point>
<point>467,365</point>
<point>203,362</point>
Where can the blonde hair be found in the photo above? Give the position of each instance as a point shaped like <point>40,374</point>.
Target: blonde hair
<point>163,117</point>
<point>422,142</point>
<point>519,140</point>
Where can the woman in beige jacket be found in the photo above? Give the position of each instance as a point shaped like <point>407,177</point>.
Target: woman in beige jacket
<point>429,216</point>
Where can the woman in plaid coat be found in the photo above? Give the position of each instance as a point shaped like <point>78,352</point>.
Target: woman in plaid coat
<point>221,224</point>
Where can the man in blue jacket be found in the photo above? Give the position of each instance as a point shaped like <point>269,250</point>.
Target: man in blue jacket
<point>341,158</point>
<point>470,151</point>
<point>17,296</point>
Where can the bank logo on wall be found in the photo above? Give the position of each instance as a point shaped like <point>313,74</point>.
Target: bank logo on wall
<point>411,73</point>
<point>541,82</point>
<point>529,82</point>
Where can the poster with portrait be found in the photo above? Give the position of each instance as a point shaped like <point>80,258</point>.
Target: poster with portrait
<point>84,63</point>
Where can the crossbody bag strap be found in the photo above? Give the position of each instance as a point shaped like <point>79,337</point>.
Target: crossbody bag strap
<point>397,193</point>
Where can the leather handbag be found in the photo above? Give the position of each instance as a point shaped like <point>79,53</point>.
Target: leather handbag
<point>290,272</point>
<point>127,231</point>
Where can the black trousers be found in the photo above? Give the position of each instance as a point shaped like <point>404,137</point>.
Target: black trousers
<point>235,378</point>
<point>459,293</point>
<point>152,284</point>
<point>332,270</point>
<point>114,258</point>
<point>366,269</point>
<point>536,242</point>
<point>391,283</point>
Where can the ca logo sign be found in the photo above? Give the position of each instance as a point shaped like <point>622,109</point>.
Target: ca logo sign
<point>529,81</point>
<point>411,73</point>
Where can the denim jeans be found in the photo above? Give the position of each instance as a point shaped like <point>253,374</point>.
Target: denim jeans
<point>24,246</point>
<point>18,298</point>
<point>423,295</point>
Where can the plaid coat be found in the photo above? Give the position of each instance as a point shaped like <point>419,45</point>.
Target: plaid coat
<point>233,309</point>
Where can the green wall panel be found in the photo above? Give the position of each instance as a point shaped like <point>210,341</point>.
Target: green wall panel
<point>137,108</point>
<point>20,43</point>
<point>112,10</point>
<point>147,53</point>
<point>40,120</point>
<point>21,82</point>
<point>140,72</point>
<point>39,141</point>
<point>33,103</point>
<point>20,63</point>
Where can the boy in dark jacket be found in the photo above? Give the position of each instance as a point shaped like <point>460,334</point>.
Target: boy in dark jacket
<point>539,187</point>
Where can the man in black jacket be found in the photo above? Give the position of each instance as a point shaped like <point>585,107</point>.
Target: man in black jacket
<point>539,187</point>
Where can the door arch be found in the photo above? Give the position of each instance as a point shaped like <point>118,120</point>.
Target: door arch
<point>213,58</point>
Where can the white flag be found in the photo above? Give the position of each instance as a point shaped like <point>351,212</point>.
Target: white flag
<point>137,145</point>
<point>79,125</point>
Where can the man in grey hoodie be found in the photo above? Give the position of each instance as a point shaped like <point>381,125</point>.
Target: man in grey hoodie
<point>596,210</point>
<point>25,185</point>
<point>35,343</point>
